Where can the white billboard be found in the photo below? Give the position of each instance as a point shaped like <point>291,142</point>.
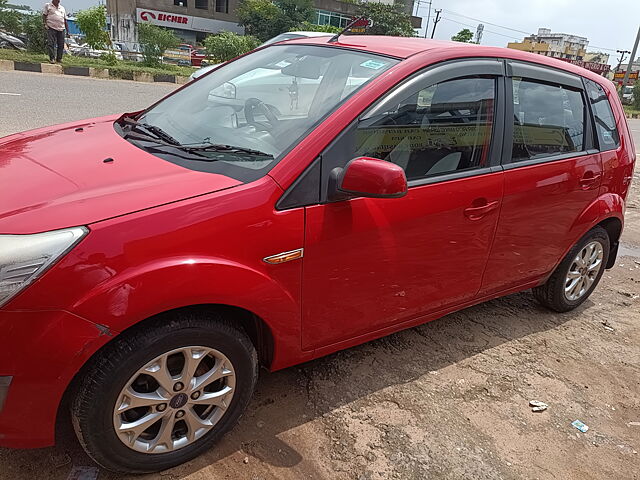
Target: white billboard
<point>186,22</point>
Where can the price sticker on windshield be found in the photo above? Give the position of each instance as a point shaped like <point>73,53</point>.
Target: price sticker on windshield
<point>373,64</point>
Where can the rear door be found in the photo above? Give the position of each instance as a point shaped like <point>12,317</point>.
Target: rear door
<point>552,174</point>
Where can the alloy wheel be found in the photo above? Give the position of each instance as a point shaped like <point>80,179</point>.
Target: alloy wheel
<point>583,271</point>
<point>174,399</point>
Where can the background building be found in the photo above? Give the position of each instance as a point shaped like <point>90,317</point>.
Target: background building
<point>569,48</point>
<point>193,20</point>
<point>558,45</point>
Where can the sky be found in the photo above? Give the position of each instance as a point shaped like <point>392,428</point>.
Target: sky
<point>610,26</point>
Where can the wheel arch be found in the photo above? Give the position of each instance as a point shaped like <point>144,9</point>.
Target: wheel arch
<point>258,331</point>
<point>613,227</point>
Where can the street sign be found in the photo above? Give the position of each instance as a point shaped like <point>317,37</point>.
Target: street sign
<point>360,25</point>
<point>620,75</point>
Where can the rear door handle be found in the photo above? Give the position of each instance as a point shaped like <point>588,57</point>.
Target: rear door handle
<point>588,180</point>
<point>476,213</point>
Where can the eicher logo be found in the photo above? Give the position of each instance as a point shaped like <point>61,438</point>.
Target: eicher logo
<point>145,16</point>
<point>164,17</point>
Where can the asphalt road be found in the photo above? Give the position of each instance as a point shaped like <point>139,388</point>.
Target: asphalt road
<point>30,100</point>
<point>634,126</point>
<point>37,100</point>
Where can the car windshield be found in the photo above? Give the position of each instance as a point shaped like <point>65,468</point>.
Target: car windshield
<point>243,117</point>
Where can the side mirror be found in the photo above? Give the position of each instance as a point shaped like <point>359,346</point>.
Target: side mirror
<point>369,177</point>
<point>225,91</point>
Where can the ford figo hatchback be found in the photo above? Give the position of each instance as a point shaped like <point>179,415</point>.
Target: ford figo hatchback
<point>301,199</point>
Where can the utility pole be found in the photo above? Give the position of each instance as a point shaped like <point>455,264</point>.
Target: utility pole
<point>426,27</point>
<point>437,19</point>
<point>621,59</point>
<point>631,59</point>
<point>479,31</point>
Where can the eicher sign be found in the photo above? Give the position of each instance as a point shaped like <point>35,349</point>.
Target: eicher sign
<point>185,22</point>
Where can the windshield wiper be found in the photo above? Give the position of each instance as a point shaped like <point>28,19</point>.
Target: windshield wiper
<point>220,147</point>
<point>157,132</point>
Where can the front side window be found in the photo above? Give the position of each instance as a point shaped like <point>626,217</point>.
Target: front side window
<point>608,136</point>
<point>243,117</point>
<point>548,120</point>
<point>440,129</point>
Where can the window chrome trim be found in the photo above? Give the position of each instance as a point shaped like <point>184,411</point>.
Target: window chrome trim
<point>446,177</point>
<point>550,158</point>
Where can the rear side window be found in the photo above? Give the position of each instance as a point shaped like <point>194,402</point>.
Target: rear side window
<point>548,120</point>
<point>608,137</point>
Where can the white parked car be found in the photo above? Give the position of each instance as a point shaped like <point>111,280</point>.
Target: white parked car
<point>278,38</point>
<point>627,94</point>
<point>84,50</point>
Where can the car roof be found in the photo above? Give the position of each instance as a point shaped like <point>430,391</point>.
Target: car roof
<point>311,34</point>
<point>404,47</point>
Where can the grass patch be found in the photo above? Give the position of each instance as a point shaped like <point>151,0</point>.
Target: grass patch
<point>123,69</point>
<point>631,110</point>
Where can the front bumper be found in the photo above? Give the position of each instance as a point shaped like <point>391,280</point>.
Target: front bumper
<point>40,352</point>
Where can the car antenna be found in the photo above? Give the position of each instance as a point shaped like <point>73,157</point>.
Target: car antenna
<point>345,29</point>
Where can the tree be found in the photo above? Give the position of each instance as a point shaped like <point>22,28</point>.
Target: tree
<point>295,12</point>
<point>636,94</point>
<point>154,41</point>
<point>265,19</point>
<point>312,27</point>
<point>259,18</point>
<point>10,19</point>
<point>465,35</point>
<point>33,28</point>
<point>387,19</point>
<point>227,45</point>
<point>93,23</point>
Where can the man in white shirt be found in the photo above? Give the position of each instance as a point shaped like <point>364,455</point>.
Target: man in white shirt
<point>54,17</point>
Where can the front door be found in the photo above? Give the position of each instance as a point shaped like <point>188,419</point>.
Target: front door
<point>372,263</point>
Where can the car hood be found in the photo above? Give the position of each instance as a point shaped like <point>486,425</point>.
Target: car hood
<point>57,177</point>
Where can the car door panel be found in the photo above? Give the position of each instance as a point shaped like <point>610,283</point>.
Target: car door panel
<point>538,219</point>
<point>552,176</point>
<point>370,263</point>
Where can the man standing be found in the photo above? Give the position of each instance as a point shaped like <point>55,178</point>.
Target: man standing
<point>54,17</point>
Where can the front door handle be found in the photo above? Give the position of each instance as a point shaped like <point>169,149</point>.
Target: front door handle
<point>476,213</point>
<point>589,180</point>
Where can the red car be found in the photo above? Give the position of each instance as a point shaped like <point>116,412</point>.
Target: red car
<point>304,198</point>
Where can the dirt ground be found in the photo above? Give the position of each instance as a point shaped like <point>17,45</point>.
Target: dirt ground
<point>448,400</point>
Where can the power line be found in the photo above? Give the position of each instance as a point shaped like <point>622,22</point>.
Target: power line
<point>484,21</point>
<point>512,37</point>
<point>506,28</point>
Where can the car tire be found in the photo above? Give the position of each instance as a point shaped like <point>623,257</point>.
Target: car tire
<point>126,372</point>
<point>557,293</point>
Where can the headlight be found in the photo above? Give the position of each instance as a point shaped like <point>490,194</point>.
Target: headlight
<point>23,258</point>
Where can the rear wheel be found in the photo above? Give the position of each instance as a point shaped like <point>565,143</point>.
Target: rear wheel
<point>578,274</point>
<point>164,395</point>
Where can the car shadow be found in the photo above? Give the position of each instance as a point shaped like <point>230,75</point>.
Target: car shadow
<point>295,396</point>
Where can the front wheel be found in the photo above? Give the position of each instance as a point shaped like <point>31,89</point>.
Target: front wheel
<point>162,396</point>
<point>578,274</point>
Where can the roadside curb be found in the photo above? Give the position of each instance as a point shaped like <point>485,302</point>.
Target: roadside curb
<point>628,115</point>
<point>104,73</point>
